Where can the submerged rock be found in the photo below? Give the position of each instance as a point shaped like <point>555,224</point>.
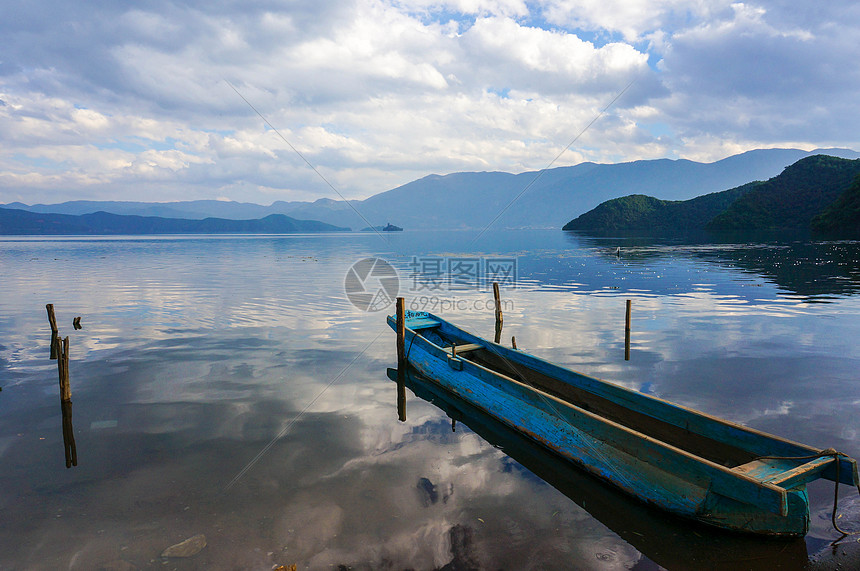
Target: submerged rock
<point>188,548</point>
<point>427,492</point>
<point>461,549</point>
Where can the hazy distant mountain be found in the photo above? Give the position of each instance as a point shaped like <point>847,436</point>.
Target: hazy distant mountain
<point>475,199</point>
<point>194,209</point>
<point>15,222</point>
<point>819,185</point>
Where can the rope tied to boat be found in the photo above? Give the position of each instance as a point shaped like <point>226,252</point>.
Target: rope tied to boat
<point>410,348</point>
<point>823,454</point>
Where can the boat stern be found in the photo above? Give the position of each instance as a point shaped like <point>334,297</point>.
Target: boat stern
<point>722,511</point>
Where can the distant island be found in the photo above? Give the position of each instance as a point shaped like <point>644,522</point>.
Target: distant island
<point>387,228</point>
<point>818,193</point>
<point>22,222</point>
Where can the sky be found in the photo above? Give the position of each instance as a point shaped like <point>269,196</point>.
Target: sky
<point>265,100</point>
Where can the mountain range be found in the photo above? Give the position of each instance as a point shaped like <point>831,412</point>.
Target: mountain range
<point>545,199</point>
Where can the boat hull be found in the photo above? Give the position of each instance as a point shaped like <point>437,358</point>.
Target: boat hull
<point>640,465</point>
<point>671,542</point>
<point>582,445</point>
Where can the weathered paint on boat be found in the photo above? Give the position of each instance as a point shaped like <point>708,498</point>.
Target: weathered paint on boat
<point>681,460</point>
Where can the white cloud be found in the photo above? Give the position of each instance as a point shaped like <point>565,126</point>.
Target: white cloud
<point>378,93</point>
<point>470,7</point>
<point>512,52</point>
<point>763,78</point>
<point>633,19</point>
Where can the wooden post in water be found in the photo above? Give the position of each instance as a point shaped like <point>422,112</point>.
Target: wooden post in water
<point>401,394</point>
<point>514,342</point>
<point>499,317</point>
<point>401,360</point>
<point>69,434</point>
<point>60,352</point>
<point>63,370</point>
<point>71,451</point>
<point>54,331</point>
<point>627,333</point>
<point>401,334</point>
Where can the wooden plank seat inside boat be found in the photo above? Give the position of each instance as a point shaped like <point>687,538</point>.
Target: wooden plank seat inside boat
<point>702,446</point>
<point>784,472</point>
<point>464,348</point>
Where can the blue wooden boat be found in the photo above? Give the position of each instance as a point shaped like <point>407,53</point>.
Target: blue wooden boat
<point>686,462</point>
<point>670,542</point>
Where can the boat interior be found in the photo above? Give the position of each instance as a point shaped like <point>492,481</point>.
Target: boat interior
<point>702,446</point>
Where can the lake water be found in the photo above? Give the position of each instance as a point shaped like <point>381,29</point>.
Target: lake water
<point>227,386</point>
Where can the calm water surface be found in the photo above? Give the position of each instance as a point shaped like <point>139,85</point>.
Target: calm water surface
<point>226,386</point>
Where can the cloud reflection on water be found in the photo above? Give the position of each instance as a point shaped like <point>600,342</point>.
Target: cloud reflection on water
<point>202,351</point>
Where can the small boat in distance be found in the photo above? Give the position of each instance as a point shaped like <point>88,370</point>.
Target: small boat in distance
<point>683,461</point>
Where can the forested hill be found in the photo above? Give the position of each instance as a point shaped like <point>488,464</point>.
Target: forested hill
<point>638,214</point>
<point>843,215</point>
<point>15,222</point>
<point>792,199</point>
<point>817,187</point>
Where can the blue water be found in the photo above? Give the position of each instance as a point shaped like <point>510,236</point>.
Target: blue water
<point>226,385</point>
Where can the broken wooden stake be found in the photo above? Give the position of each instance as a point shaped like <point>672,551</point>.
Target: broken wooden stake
<point>63,370</point>
<point>66,403</point>
<point>54,331</point>
<point>60,352</point>
<point>69,435</point>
